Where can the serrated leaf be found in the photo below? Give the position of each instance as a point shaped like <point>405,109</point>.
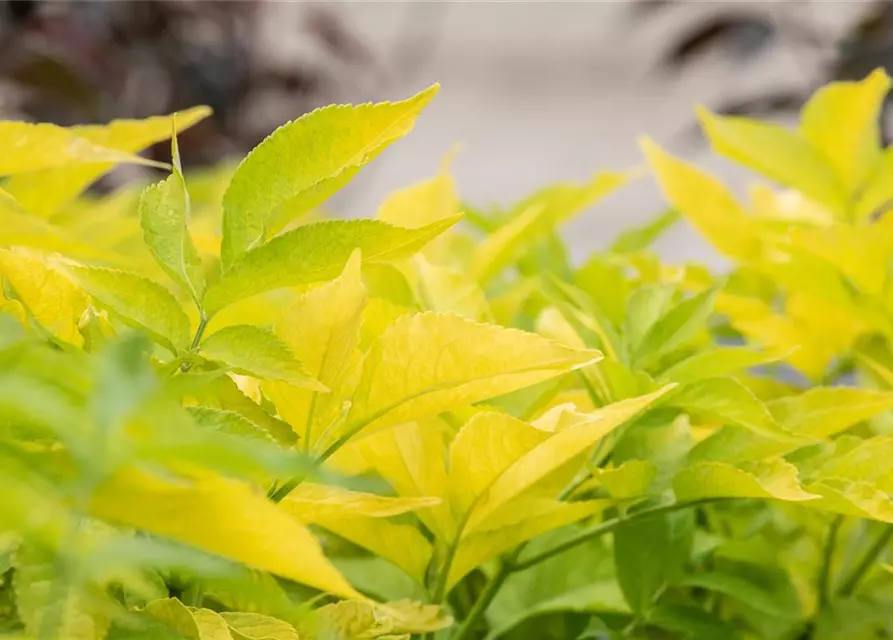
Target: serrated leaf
<point>315,252</point>
<point>868,461</point>
<point>139,302</point>
<point>535,216</point>
<point>781,155</point>
<point>425,363</point>
<point>228,422</point>
<point>822,412</point>
<point>33,147</point>
<point>255,626</point>
<point>43,192</point>
<point>164,211</point>
<point>771,479</point>
<point>707,205</point>
<point>46,294</point>
<point>852,498</point>
<point>841,122</point>
<point>223,517</point>
<point>305,161</point>
<point>257,352</point>
<point>322,327</point>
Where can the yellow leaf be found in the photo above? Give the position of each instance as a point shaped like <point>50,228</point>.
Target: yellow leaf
<point>553,452</point>
<point>48,295</point>
<point>773,479</point>
<point>223,517</point>
<point>255,626</point>
<point>841,123</point>
<point>448,290</point>
<point>630,480</point>
<point>707,205</point>
<point>42,193</point>
<point>859,499</point>
<point>516,523</point>
<point>425,363</point>
<point>781,155</point>
<point>322,328</point>
<point>310,502</point>
<point>536,215</point>
<point>411,458</point>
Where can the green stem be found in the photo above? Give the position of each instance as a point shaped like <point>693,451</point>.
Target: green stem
<point>605,528</point>
<point>470,623</point>
<point>200,331</point>
<point>871,556</point>
<point>824,585</point>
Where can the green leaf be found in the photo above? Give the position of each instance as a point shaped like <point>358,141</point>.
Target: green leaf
<point>650,554</point>
<point>315,252</point>
<point>228,422</point>
<point>841,122</point>
<point>305,161</point>
<point>629,480</point>
<point>716,362</point>
<point>257,352</point>
<point>780,155</point>
<point>164,211</point>
<point>426,363</point>
<point>534,217</point>
<point>138,302</point>
<point>675,328</point>
<point>729,402</point>
<point>646,306</point>
<point>641,238</point>
<point>760,588</point>
<point>771,479</point>
<point>255,626</point>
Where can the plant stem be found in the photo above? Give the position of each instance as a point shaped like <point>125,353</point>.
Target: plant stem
<point>470,623</point>
<point>200,331</point>
<point>824,585</point>
<point>871,556</point>
<point>604,528</point>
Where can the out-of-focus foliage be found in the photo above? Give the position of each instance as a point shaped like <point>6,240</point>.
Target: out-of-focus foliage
<point>222,417</point>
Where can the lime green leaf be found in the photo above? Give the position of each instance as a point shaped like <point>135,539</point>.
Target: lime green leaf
<point>448,290</point>
<point>877,195</point>
<point>426,363</point>
<point>255,626</point>
<point>535,216</point>
<point>257,352</point>
<point>138,302</point>
<point>315,252</point>
<point>780,155</point>
<point>47,295</point>
<point>675,328</point>
<point>852,498</point>
<point>757,592</point>
<point>223,517</point>
<point>716,362</point>
<point>424,202</point>
<point>867,462</point>
<point>176,616</point>
<point>518,522</point>
<point>707,205</point>
<point>358,619</point>
<point>728,401</point>
<point>32,147</point>
<point>822,412</point>
<point>164,211</point>
<point>562,447</point>
<point>772,479</point>
<point>641,238</point>
<point>228,422</point>
<point>630,480</point>
<point>646,306</point>
<point>43,192</point>
<point>52,605</point>
<point>649,554</point>
<point>305,161</point>
<point>841,122</point>
<point>322,327</point>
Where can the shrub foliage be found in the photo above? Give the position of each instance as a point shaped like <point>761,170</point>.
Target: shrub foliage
<point>226,417</point>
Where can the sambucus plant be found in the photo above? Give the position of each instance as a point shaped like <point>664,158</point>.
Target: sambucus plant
<point>224,418</point>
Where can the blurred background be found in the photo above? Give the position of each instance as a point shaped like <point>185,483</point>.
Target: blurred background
<point>534,92</point>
